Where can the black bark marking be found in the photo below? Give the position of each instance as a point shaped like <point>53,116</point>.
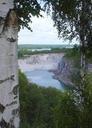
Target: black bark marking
<point>9,78</point>
<point>4,124</point>
<point>15,97</point>
<point>12,103</point>
<point>15,90</point>
<point>11,39</point>
<point>15,112</point>
<point>3,3</point>
<point>2,108</point>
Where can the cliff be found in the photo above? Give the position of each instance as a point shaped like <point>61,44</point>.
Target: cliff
<point>65,69</point>
<point>68,69</point>
<point>41,62</point>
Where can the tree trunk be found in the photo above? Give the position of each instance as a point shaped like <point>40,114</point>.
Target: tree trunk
<point>84,40</point>
<point>9,96</point>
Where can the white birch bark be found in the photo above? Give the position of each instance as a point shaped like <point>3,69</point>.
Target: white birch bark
<point>9,97</point>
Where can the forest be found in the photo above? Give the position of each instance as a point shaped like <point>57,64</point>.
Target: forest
<point>52,108</point>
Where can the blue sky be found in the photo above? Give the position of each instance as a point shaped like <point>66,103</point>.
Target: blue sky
<point>43,32</point>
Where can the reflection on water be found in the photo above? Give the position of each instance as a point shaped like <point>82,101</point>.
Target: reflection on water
<point>43,78</point>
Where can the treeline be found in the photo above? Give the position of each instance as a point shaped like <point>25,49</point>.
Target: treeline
<point>73,52</point>
<point>24,52</point>
<point>51,108</point>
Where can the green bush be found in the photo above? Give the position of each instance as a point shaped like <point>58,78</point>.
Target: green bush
<point>51,108</point>
<point>38,105</point>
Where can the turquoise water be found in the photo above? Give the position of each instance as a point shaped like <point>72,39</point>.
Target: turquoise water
<point>43,78</point>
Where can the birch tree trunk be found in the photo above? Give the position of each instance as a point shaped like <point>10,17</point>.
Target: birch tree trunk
<point>85,34</point>
<point>9,96</point>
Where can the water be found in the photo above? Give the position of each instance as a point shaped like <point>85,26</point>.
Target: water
<point>43,78</point>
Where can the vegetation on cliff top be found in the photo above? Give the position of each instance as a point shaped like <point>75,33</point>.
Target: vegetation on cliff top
<point>25,52</point>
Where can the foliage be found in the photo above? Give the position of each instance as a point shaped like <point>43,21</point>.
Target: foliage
<point>50,108</point>
<point>25,9</point>
<point>72,19</point>
<point>43,107</point>
<point>25,52</point>
<point>66,112</point>
<point>87,109</point>
<point>83,96</point>
<point>24,99</point>
<point>73,53</point>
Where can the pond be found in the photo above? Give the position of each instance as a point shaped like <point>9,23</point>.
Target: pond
<point>43,78</point>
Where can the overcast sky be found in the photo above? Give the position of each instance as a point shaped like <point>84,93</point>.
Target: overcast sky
<point>43,32</point>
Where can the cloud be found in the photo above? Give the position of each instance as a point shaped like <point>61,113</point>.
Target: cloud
<point>43,32</point>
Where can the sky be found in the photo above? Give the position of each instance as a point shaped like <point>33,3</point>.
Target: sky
<point>43,32</point>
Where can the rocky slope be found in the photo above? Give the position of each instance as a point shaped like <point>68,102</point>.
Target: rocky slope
<point>64,71</point>
<point>67,69</point>
<point>41,61</point>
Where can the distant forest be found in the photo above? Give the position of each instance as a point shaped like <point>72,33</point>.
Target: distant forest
<point>36,46</point>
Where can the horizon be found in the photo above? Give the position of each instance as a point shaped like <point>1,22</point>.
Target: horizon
<point>47,44</point>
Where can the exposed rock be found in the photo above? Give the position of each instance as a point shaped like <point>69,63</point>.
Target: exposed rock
<point>68,69</point>
<point>64,71</point>
<point>41,61</point>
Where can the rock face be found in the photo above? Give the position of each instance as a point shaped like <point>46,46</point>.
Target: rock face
<point>41,61</point>
<point>64,71</point>
<point>9,97</point>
